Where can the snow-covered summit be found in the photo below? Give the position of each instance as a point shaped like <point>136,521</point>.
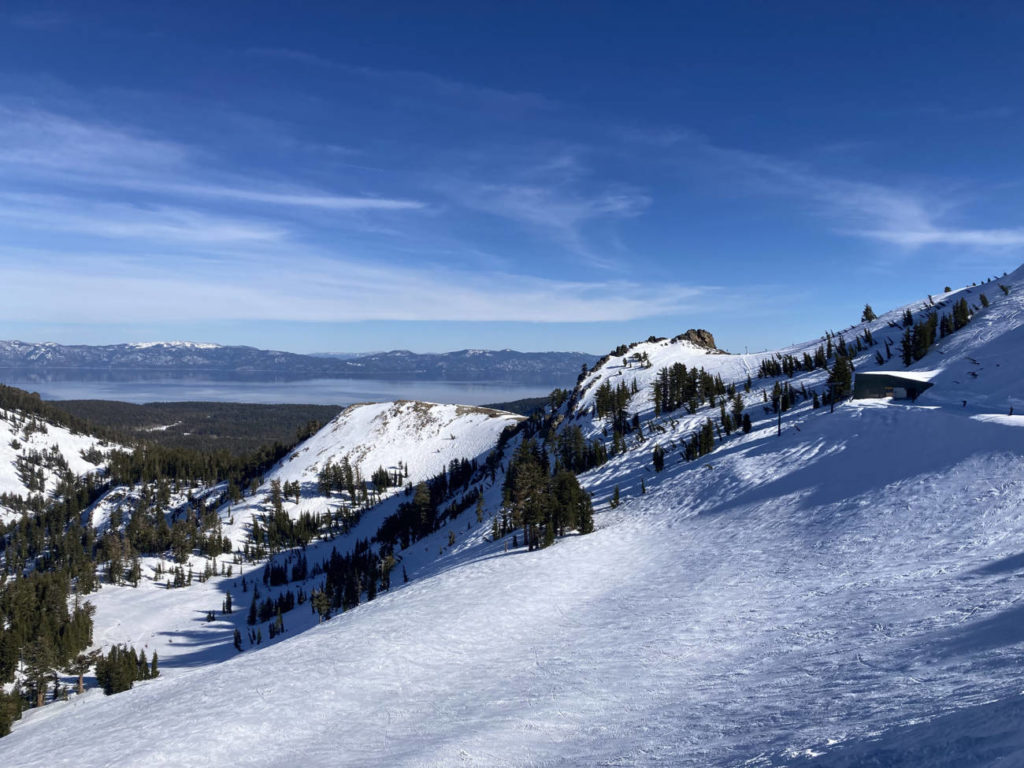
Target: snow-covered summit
<point>423,437</point>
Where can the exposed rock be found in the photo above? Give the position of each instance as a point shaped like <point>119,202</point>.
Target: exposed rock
<point>699,337</point>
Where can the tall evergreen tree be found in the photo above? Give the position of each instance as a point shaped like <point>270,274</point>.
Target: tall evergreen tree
<point>841,378</point>
<point>658,458</point>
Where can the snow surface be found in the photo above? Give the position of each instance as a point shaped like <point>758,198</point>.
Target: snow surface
<point>425,437</point>
<point>70,445</point>
<point>845,594</point>
<point>173,621</point>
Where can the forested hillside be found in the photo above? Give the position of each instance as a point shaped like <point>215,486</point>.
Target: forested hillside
<point>234,427</point>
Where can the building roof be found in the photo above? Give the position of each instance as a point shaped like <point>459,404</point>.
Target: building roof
<point>916,376</point>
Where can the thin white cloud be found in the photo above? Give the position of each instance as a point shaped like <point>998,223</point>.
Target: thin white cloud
<point>120,221</point>
<point>325,202</point>
<point>37,146</point>
<point>903,217</point>
<point>549,198</point>
<point>311,288</point>
<point>982,238</point>
<point>35,142</point>
<point>562,213</point>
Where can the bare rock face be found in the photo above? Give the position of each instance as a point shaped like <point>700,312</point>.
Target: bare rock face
<point>699,337</point>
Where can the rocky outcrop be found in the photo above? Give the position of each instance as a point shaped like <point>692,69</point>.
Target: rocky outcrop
<point>699,337</point>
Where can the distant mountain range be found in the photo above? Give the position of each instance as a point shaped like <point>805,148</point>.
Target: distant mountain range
<point>191,357</point>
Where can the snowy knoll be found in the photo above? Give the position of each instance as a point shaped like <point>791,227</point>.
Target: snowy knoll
<point>423,437</point>
<point>846,592</point>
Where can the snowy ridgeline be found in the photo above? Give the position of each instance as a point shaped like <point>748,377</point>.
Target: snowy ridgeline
<point>423,437</point>
<point>845,594</point>
<point>413,439</point>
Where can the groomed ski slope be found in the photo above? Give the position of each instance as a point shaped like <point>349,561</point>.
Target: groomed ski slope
<point>846,594</point>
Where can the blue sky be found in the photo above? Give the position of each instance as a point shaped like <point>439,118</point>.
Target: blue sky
<point>363,176</point>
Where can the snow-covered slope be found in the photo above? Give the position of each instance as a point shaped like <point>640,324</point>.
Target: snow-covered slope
<point>424,437</point>
<point>31,444</point>
<point>847,593</point>
<point>806,592</point>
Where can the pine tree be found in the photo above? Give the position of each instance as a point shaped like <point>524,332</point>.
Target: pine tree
<point>585,515</point>
<point>40,662</point>
<point>658,458</point>
<point>10,710</point>
<point>841,378</point>
<point>868,314</point>
<point>615,498</point>
<point>80,665</point>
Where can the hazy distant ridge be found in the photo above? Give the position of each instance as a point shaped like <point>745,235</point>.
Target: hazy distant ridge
<point>180,357</point>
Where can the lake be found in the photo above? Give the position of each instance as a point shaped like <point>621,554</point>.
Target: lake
<point>148,387</point>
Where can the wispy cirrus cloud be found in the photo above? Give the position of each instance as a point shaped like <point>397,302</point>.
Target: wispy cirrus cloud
<point>38,146</point>
<point>551,191</point>
<point>980,238</point>
<point>555,211</point>
<point>313,288</point>
<point>310,200</point>
<point>124,221</point>
<point>907,217</point>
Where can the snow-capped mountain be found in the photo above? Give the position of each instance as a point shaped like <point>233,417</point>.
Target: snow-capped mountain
<point>829,588</point>
<point>185,357</point>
